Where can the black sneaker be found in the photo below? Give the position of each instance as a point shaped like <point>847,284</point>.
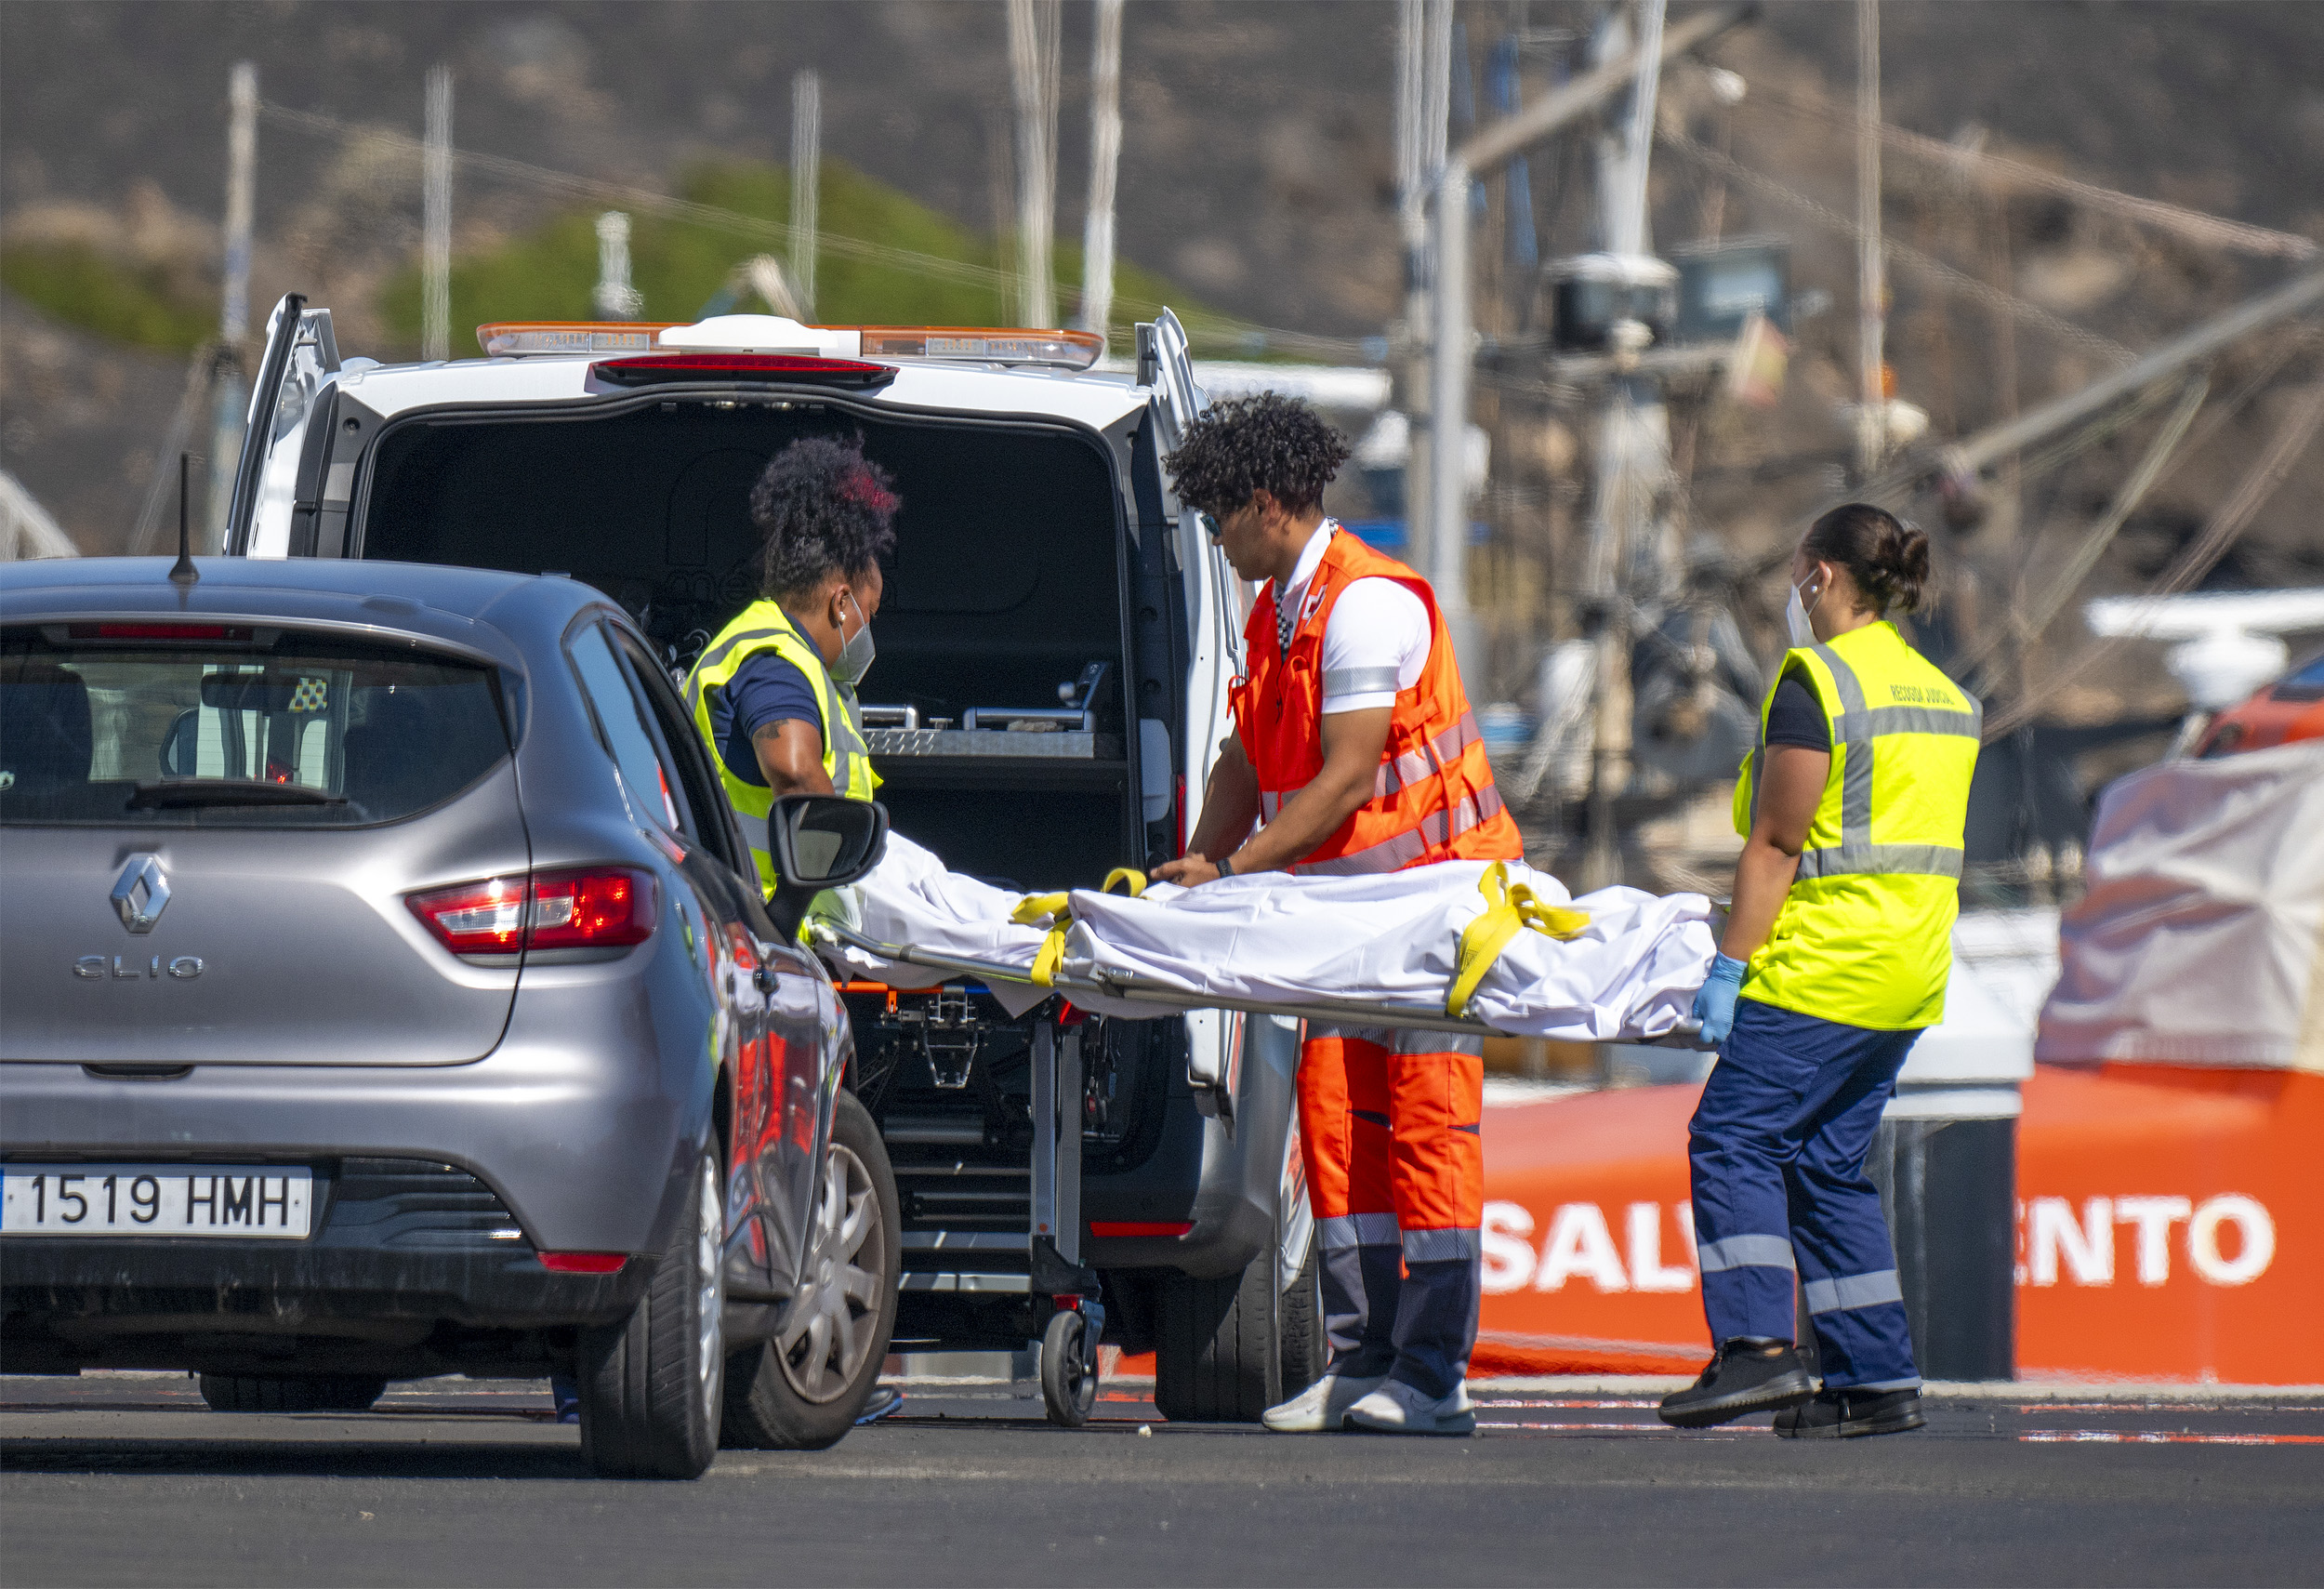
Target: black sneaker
<point>1837,1414</point>
<point>1743,1377</point>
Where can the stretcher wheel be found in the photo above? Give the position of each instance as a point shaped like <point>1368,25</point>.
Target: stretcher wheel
<point>1068,1385</point>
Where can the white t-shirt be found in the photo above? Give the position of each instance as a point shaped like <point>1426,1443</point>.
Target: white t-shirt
<point>1376,640</point>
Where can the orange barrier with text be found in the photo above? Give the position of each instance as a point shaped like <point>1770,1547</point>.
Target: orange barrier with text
<point>2170,1226</point>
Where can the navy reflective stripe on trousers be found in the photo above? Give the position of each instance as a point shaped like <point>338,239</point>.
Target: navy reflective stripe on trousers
<point>1777,1148</point>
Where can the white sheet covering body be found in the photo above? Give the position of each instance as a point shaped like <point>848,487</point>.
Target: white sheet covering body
<point>1394,938</point>
<point>2200,939</point>
<point>910,899</point>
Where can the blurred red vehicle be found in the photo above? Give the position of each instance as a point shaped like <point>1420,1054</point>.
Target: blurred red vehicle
<point>2292,708</point>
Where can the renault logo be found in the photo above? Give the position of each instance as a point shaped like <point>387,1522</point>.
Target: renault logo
<point>141,893</point>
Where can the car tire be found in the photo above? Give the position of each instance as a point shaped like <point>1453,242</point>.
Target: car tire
<point>1306,1350</point>
<point>1227,1349</point>
<point>300,1393</point>
<point>802,1390</point>
<point>1216,1358</point>
<point>651,1387</point>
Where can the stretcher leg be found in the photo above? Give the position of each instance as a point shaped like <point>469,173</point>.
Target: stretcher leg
<point>1069,1345</point>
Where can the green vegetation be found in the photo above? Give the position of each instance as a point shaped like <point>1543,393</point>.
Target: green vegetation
<point>82,287</point>
<point>681,268</point>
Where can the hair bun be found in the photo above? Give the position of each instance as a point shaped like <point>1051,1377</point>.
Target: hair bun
<point>1888,560</point>
<point>1907,567</point>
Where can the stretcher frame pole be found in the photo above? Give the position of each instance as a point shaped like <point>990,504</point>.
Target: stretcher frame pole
<point>1347,1011</point>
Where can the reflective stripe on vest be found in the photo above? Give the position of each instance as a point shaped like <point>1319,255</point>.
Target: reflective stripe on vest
<point>1437,829</point>
<point>1865,933</point>
<point>763,627</point>
<point>1433,798</point>
<point>1396,771</point>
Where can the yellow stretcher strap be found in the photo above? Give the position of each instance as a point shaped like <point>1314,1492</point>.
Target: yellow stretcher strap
<point>1508,911</point>
<point>1055,911</point>
<point>1037,909</point>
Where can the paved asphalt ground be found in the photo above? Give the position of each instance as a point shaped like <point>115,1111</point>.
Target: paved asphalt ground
<point>130,1480</point>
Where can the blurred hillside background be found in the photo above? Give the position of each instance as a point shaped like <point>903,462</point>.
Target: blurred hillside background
<point>1258,196</point>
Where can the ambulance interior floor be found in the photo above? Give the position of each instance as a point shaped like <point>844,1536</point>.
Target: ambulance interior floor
<point>130,1479</point>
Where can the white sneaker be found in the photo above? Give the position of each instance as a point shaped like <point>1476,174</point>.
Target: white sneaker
<point>1321,1405</point>
<point>1397,1408</point>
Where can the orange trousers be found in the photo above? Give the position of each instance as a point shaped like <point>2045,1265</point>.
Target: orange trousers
<point>1389,1128</point>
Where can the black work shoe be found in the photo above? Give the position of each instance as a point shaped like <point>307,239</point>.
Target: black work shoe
<point>1840,1413</point>
<point>1743,1377</point>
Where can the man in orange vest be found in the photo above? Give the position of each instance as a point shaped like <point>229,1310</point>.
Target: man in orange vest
<point>1355,751</point>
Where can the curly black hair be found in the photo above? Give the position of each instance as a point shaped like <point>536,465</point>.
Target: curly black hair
<point>823,507</point>
<point>1268,443</point>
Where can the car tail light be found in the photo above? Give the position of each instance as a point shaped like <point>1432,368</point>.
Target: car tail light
<point>598,907</point>
<point>585,1263</point>
<point>787,368</point>
<point>1140,1228</point>
<point>606,908</point>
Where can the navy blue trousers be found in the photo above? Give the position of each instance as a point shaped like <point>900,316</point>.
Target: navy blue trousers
<point>1777,1148</point>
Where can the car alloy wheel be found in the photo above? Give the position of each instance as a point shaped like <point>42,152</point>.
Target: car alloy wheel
<point>833,1324</point>
<point>710,1292</point>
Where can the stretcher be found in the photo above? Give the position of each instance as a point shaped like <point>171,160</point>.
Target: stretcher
<point>1069,1369</point>
<point>1168,1000</point>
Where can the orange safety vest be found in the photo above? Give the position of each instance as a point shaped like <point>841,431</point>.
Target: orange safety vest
<point>1435,798</point>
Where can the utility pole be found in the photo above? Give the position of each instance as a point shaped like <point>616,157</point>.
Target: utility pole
<point>1625,201</point>
<point>1423,123</point>
<point>615,297</point>
<point>229,391</point>
<point>1871,284</point>
<point>1033,26</point>
<point>1105,157</point>
<point>435,336</point>
<point>1633,462</point>
<point>806,185</point>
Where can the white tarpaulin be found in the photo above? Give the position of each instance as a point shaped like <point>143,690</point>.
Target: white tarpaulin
<point>1630,972</point>
<point>2200,940</point>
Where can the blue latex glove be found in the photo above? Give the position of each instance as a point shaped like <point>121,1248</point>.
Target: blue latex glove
<point>1714,1006</point>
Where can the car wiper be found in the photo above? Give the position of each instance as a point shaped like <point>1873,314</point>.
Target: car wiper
<point>172,792</point>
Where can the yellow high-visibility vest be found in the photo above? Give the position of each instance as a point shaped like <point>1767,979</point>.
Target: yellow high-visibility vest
<point>1866,934</point>
<point>760,626</point>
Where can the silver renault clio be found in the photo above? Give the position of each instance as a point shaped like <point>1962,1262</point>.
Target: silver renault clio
<point>383,993</point>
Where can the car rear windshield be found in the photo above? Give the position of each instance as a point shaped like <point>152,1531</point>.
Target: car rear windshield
<point>140,724</point>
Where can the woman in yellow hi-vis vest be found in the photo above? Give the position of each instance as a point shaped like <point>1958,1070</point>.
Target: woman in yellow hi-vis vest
<point>773,696</point>
<point>1835,957</point>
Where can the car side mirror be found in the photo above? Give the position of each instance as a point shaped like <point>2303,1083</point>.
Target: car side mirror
<point>821,841</point>
<point>824,841</point>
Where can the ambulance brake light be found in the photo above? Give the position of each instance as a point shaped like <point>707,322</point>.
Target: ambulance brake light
<point>786,369</point>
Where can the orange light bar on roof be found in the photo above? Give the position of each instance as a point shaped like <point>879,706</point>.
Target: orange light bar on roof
<point>981,344</point>
<point>516,338</point>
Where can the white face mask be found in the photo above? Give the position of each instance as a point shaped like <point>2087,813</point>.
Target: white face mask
<point>856,652</point>
<point>1795,618</point>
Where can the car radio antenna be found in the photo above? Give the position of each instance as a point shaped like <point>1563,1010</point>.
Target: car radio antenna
<point>184,573</point>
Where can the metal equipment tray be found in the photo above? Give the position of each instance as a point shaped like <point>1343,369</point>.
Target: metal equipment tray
<point>1070,745</point>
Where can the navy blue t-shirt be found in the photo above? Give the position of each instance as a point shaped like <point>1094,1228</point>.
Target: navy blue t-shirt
<point>765,689</point>
<point>1796,717</point>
